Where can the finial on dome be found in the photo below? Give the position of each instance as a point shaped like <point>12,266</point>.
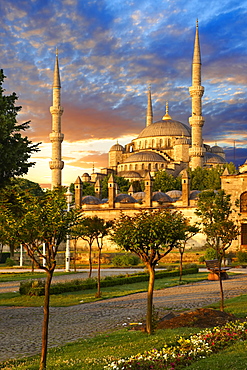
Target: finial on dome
<point>56,51</point>
<point>167,116</point>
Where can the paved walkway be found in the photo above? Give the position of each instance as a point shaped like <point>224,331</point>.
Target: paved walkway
<point>20,327</point>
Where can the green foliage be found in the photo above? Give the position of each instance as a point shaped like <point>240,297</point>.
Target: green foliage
<point>203,178</point>
<point>210,254</point>
<point>15,150</point>
<point>36,287</point>
<point>126,259</point>
<point>241,256</point>
<point>9,262</point>
<point>32,287</point>
<point>165,182</point>
<point>88,189</point>
<point>214,210</point>
<point>122,183</point>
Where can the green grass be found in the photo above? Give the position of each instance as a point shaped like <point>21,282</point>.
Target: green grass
<point>94,353</point>
<point>19,276</point>
<point>74,298</point>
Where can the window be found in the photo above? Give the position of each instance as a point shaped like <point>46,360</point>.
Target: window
<point>243,234</point>
<point>243,202</point>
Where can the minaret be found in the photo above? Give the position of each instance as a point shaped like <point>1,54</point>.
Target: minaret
<point>56,137</point>
<point>196,120</point>
<point>149,116</point>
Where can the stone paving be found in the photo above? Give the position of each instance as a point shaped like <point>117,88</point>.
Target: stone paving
<point>20,327</point>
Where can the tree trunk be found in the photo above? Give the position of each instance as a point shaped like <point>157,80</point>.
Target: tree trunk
<point>42,365</point>
<point>98,294</point>
<point>151,271</point>
<point>181,267</point>
<point>221,290</point>
<point>90,260</point>
<point>75,254</point>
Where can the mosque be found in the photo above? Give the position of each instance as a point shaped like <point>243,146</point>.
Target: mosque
<point>167,145</point>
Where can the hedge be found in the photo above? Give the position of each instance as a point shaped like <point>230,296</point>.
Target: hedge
<point>36,287</point>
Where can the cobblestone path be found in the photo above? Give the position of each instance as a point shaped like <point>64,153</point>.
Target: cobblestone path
<point>20,327</point>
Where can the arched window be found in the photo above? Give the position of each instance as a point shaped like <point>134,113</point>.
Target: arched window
<point>243,202</point>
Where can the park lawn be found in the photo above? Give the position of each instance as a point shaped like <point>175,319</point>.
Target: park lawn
<point>19,276</point>
<point>94,353</point>
<point>80,297</point>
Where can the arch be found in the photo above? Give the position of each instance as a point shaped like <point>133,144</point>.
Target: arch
<point>243,202</point>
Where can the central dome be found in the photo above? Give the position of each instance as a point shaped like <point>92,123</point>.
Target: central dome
<point>165,127</point>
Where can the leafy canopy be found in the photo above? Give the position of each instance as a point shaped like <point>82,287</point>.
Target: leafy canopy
<point>15,150</point>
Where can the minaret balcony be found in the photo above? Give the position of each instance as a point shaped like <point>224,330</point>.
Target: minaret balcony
<point>196,151</point>
<point>56,165</point>
<point>56,137</point>
<point>197,91</point>
<point>196,121</point>
<point>56,110</point>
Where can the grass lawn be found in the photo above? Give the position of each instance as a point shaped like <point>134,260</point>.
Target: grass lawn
<point>94,353</point>
<point>74,298</point>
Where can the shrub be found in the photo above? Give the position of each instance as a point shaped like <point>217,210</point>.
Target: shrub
<point>210,254</point>
<point>32,287</point>
<point>126,259</point>
<point>242,256</point>
<point>9,262</point>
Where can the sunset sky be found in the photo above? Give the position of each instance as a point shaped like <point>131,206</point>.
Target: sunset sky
<point>109,53</point>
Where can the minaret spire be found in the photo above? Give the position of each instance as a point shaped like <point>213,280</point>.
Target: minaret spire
<point>149,116</point>
<point>56,137</point>
<point>196,120</point>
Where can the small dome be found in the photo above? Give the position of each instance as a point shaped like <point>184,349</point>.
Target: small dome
<point>174,194</point>
<point>144,157</point>
<point>117,148</point>
<point>130,174</point>
<point>212,158</point>
<point>140,195</point>
<point>89,199</point>
<point>194,194</point>
<point>125,198</point>
<point>161,197</point>
<point>217,149</point>
<point>165,127</point>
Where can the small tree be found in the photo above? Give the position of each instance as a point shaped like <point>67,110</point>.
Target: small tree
<point>36,221</point>
<point>165,182</point>
<point>214,210</point>
<point>151,235</point>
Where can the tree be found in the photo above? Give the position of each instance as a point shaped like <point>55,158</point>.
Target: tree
<point>37,222</point>
<point>151,235</point>
<point>165,182</point>
<point>209,178</point>
<point>15,150</point>
<point>214,210</point>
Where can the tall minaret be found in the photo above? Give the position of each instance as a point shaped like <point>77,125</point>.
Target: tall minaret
<point>196,120</point>
<point>149,116</point>
<point>56,137</point>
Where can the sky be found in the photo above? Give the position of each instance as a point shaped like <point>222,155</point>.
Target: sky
<point>110,51</point>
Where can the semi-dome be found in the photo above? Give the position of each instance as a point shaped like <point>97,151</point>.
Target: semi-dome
<point>125,198</point>
<point>145,157</point>
<point>90,199</point>
<point>117,148</point>
<point>212,158</point>
<point>165,127</point>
